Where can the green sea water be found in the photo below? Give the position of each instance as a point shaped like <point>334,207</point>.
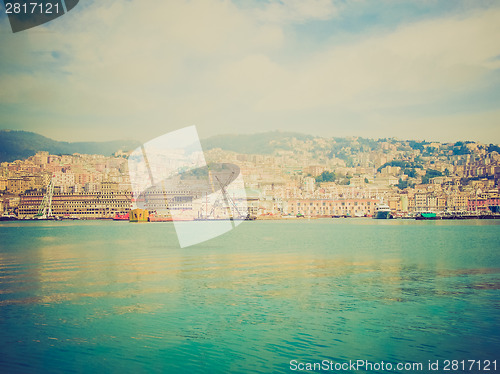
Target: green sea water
<point>78,297</point>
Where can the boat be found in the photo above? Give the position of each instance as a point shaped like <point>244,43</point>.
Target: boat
<point>427,216</point>
<point>155,217</point>
<point>494,208</point>
<point>382,212</point>
<point>8,217</point>
<point>138,215</point>
<point>71,217</point>
<point>46,217</point>
<point>121,217</point>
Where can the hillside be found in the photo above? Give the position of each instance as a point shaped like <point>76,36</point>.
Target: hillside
<point>19,145</point>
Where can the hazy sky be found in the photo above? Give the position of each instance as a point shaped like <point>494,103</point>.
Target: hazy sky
<point>119,69</point>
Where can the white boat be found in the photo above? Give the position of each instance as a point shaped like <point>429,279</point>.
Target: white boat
<point>8,217</point>
<point>382,211</point>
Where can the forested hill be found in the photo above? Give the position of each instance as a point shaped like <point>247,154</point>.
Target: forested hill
<point>19,145</point>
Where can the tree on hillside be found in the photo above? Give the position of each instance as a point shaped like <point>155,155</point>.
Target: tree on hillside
<point>431,173</point>
<point>326,176</point>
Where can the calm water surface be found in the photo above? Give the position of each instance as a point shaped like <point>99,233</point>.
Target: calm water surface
<point>120,297</point>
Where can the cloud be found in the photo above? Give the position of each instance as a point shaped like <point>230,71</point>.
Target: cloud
<point>118,66</point>
<point>416,62</point>
<point>285,11</point>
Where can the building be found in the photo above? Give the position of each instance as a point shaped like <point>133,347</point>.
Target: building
<point>3,184</point>
<point>329,208</point>
<point>14,185</point>
<point>81,205</point>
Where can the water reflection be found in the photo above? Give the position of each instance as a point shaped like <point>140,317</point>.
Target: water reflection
<point>126,296</point>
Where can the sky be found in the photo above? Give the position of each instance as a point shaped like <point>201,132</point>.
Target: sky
<point>135,69</point>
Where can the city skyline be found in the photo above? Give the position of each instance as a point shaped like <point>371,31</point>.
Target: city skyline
<point>408,70</point>
<point>309,177</point>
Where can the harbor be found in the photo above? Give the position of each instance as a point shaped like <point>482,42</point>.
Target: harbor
<point>185,205</point>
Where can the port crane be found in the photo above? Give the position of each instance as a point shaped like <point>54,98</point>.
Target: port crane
<point>45,209</point>
<point>229,203</point>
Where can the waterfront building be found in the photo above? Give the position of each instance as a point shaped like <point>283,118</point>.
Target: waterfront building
<point>441,202</point>
<point>420,199</point>
<point>458,201</point>
<point>81,205</point>
<point>398,203</point>
<point>253,200</point>
<point>330,207</point>
<point>484,201</point>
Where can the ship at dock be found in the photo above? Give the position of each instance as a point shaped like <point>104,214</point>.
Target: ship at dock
<point>427,216</point>
<point>155,217</point>
<point>138,215</point>
<point>121,217</point>
<point>382,211</point>
<point>8,217</point>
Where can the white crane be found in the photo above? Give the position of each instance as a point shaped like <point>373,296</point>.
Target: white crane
<point>45,210</point>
